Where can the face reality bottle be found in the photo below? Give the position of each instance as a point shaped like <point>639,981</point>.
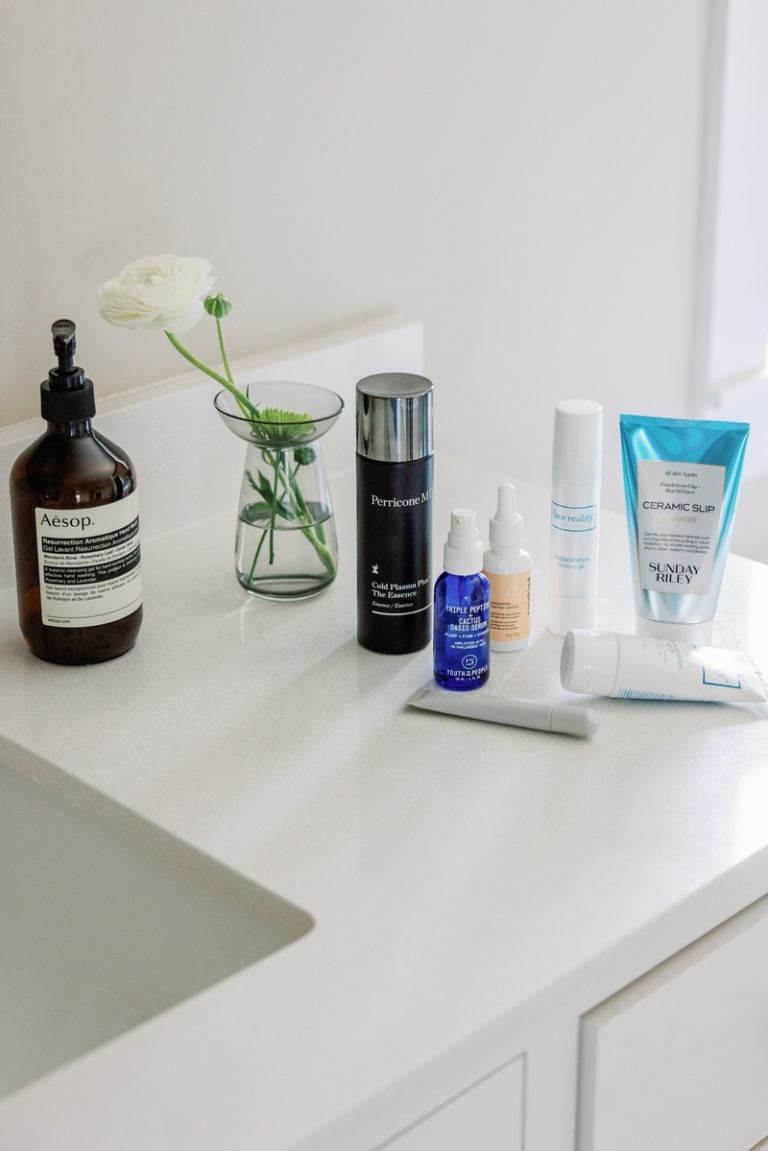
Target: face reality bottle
<point>75,527</point>
<point>575,511</point>
<point>394,512</point>
<point>462,609</point>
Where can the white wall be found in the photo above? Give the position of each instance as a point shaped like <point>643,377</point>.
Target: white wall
<point>738,321</point>
<point>522,176</point>
<point>729,369</point>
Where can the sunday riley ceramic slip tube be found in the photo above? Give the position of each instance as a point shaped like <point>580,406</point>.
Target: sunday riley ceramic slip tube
<point>394,477</point>
<point>576,469</point>
<point>681,483</point>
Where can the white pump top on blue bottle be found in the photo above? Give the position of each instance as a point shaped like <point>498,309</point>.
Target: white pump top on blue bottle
<point>463,551</point>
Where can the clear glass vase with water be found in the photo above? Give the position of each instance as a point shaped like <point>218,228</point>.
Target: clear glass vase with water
<point>285,544</point>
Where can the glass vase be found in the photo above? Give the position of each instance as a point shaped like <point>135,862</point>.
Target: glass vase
<point>285,543</point>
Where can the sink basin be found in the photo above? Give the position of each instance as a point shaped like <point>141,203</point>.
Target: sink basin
<point>105,921</point>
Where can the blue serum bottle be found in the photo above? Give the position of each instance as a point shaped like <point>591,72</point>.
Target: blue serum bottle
<point>462,646</point>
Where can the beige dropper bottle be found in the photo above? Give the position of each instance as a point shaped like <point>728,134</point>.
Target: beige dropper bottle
<point>508,569</point>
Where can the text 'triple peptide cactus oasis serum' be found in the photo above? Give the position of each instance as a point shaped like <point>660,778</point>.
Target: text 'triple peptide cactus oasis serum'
<point>394,512</point>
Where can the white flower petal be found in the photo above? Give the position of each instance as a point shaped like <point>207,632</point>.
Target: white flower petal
<point>157,292</point>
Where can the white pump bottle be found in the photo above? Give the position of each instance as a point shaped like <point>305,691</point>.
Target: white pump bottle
<point>576,465</point>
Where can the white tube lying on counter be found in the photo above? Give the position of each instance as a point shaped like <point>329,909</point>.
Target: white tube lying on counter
<point>643,667</point>
<point>562,718</point>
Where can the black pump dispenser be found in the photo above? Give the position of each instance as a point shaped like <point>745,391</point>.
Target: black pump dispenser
<point>64,345</point>
<point>66,395</point>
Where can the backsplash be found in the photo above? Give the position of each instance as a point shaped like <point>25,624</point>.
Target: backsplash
<point>187,467</point>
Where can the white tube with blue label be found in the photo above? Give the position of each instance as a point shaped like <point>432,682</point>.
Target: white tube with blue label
<point>681,483</point>
<point>643,667</point>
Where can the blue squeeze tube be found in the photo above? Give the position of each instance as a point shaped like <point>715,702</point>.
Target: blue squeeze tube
<point>681,483</point>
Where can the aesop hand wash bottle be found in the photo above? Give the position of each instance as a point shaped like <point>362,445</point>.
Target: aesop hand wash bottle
<point>75,527</point>
<point>394,512</point>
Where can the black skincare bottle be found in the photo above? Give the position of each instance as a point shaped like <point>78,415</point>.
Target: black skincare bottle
<point>394,512</point>
<point>75,527</point>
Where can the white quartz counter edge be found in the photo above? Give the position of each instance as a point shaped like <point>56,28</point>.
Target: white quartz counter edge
<point>465,880</point>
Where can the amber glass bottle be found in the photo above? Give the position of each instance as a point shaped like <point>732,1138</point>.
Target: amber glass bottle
<point>75,527</point>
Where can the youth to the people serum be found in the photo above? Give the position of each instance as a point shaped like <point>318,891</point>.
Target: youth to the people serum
<point>394,512</point>
<point>462,649</point>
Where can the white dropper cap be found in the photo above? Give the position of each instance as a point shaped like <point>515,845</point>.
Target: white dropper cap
<point>505,530</point>
<point>463,551</point>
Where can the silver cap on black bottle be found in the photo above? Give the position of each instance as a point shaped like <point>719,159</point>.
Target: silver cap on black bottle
<point>394,417</point>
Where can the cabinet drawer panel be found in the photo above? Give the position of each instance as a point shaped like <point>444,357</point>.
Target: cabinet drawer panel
<point>486,1117</point>
<point>680,1058</point>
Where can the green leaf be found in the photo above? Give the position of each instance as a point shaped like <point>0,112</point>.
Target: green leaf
<point>262,486</point>
<point>267,493</point>
<point>255,513</point>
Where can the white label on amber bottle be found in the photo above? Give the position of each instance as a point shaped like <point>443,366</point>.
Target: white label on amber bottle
<point>89,563</point>
<point>510,605</point>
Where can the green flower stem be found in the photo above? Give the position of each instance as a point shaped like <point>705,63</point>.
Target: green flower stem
<point>256,555</point>
<point>313,534</point>
<point>223,350</point>
<point>247,408</point>
<point>325,554</point>
<point>319,529</point>
<point>278,462</point>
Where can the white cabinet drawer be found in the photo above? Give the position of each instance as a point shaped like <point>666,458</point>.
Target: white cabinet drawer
<point>488,1116</point>
<point>679,1059</point>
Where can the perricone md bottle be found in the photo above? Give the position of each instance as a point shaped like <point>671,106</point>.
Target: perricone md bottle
<point>394,512</point>
<point>75,527</point>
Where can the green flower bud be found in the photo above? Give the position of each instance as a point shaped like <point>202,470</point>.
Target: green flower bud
<point>218,306</point>
<point>304,455</point>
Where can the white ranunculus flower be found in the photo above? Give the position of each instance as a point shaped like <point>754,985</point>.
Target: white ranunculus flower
<point>158,292</point>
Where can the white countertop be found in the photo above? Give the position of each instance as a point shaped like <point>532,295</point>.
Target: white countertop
<point>461,874</point>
